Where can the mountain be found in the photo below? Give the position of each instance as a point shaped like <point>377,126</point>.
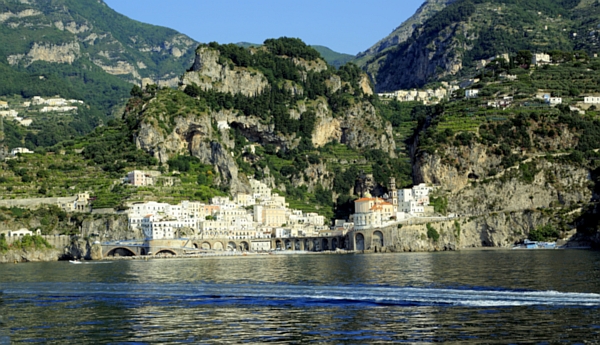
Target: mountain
<point>277,112</point>
<point>70,31</point>
<point>449,43</point>
<point>82,49</point>
<point>331,57</point>
<point>405,30</point>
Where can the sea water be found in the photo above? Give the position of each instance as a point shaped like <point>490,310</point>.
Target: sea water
<point>462,297</point>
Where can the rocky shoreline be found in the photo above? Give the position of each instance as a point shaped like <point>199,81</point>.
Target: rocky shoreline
<point>31,255</point>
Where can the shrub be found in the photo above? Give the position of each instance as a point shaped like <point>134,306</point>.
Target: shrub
<point>432,233</point>
<point>544,233</point>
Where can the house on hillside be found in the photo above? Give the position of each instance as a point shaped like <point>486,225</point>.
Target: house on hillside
<point>539,59</point>
<point>591,100</point>
<point>472,93</point>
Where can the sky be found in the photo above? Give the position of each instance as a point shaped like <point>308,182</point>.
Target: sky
<point>346,26</point>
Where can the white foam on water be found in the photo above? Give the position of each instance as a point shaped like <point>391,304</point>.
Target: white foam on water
<point>321,294</point>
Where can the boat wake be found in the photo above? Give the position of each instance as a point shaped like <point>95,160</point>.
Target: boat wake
<point>265,294</point>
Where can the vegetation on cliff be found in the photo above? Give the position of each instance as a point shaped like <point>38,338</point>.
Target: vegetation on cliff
<point>451,42</point>
<point>24,243</point>
<point>524,156</point>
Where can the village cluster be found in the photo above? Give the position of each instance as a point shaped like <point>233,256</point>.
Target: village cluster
<point>264,214</point>
<point>42,105</point>
<point>445,91</point>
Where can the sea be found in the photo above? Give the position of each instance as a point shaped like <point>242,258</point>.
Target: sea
<point>464,297</point>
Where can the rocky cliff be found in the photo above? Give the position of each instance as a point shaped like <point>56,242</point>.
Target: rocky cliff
<point>403,32</point>
<point>454,35</point>
<point>66,31</point>
<point>172,123</point>
<point>31,255</point>
<point>209,74</point>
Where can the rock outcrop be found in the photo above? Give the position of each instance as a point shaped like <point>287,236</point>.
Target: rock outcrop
<point>30,255</point>
<point>206,133</point>
<point>209,74</point>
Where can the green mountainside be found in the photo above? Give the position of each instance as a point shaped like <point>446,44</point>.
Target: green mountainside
<point>331,57</point>
<point>404,31</point>
<point>81,49</point>
<point>449,43</point>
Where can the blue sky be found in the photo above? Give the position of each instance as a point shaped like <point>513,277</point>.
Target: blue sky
<point>348,26</point>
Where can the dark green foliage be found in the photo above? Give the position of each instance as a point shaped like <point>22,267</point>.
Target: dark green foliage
<point>114,149</point>
<point>385,167</point>
<point>432,233</point>
<point>3,244</point>
<point>544,233</point>
<point>28,242</point>
<point>343,182</point>
<point>440,204</point>
<point>291,47</point>
<point>528,172</point>
<point>323,196</point>
<point>344,206</point>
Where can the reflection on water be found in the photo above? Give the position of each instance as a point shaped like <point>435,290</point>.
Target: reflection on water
<point>503,296</point>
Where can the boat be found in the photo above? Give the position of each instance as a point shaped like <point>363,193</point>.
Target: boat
<point>75,262</point>
<point>528,244</point>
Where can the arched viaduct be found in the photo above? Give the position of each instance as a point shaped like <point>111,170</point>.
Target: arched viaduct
<point>376,240</point>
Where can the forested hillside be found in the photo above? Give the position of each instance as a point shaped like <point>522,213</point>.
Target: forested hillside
<point>308,129</point>
<point>449,44</point>
<point>80,49</point>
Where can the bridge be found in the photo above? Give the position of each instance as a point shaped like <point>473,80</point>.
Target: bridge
<point>198,245</point>
<point>377,239</point>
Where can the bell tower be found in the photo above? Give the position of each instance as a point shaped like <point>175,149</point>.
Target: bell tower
<point>394,193</point>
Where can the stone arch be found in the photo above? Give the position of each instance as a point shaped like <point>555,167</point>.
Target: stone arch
<point>297,244</point>
<point>166,252</point>
<point>278,245</point>
<point>244,246</point>
<point>196,245</point>
<point>231,246</point>
<point>120,251</point>
<point>378,239</point>
<point>325,245</point>
<point>307,245</point>
<point>206,246</point>
<point>343,243</point>
<point>360,241</point>
<point>334,244</point>
<point>143,251</point>
<point>288,245</point>
<point>218,246</point>
<point>316,245</point>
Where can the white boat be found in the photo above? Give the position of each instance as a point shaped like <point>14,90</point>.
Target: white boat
<point>74,261</point>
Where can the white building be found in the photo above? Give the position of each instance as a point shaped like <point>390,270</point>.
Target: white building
<point>260,190</point>
<point>554,101</point>
<point>538,59</point>
<point>591,100</point>
<point>414,201</point>
<point>260,245</point>
<point>158,228</point>
<point>21,150</point>
<point>139,178</point>
<point>187,214</point>
<point>471,93</point>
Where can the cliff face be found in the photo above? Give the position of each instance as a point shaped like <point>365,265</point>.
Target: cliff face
<point>448,38</point>
<point>169,126</point>
<point>31,255</point>
<point>66,31</point>
<point>503,204</point>
<point>406,29</point>
<point>208,74</point>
